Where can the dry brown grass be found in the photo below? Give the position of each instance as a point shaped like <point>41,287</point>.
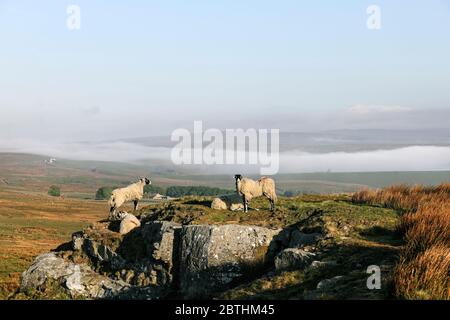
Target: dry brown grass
<point>31,224</point>
<point>403,197</point>
<point>423,269</point>
<point>427,227</point>
<point>425,276</point>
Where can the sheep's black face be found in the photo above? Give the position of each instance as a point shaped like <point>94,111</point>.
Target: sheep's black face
<point>147,181</point>
<point>238,177</point>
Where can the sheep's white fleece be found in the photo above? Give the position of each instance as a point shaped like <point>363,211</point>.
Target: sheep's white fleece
<point>253,189</point>
<point>227,201</point>
<point>132,192</point>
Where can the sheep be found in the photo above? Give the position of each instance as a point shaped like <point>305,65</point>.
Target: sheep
<point>134,192</point>
<point>232,202</point>
<point>249,189</point>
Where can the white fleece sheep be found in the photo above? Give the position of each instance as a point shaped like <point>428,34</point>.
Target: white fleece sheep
<point>231,202</point>
<point>250,189</point>
<point>134,192</point>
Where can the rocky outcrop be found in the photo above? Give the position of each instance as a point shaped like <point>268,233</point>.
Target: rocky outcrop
<point>77,279</point>
<point>147,259</point>
<point>154,260</point>
<point>213,256</point>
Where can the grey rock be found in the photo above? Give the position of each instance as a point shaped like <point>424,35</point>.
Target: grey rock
<point>162,243</point>
<point>293,259</point>
<point>77,279</point>
<point>46,265</point>
<point>299,239</point>
<point>164,256</point>
<point>213,256</point>
<point>98,250</point>
<point>327,284</point>
<point>321,264</point>
<point>73,281</point>
<point>159,237</point>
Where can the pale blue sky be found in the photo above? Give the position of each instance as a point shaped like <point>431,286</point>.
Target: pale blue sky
<point>147,67</point>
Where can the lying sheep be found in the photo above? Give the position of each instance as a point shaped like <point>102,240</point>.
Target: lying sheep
<point>231,202</point>
<point>128,223</point>
<point>134,192</point>
<point>250,189</point>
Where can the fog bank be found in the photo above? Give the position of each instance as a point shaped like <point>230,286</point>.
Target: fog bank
<point>412,158</point>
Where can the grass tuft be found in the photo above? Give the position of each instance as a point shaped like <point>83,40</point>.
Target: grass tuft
<point>423,269</point>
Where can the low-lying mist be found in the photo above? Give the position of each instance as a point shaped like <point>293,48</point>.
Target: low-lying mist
<point>411,158</point>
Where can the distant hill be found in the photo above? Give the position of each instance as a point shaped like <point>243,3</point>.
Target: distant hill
<point>338,140</point>
<point>81,179</point>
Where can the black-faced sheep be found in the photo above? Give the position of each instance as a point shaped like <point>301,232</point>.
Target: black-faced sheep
<point>134,192</point>
<point>250,189</point>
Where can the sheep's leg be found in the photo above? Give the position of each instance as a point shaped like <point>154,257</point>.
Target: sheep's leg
<point>272,205</point>
<point>112,212</point>
<point>135,204</point>
<point>271,202</point>
<point>245,203</point>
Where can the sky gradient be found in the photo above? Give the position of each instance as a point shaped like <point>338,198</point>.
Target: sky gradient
<point>142,68</point>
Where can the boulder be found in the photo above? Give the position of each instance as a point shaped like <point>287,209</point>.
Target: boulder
<point>231,202</point>
<point>299,239</point>
<point>128,223</point>
<point>213,256</point>
<point>327,284</point>
<point>76,279</point>
<point>293,259</point>
<point>321,264</point>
